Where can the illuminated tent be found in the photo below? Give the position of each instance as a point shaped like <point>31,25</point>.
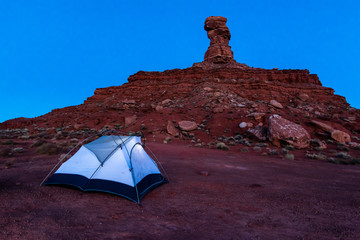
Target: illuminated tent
<point>113,164</point>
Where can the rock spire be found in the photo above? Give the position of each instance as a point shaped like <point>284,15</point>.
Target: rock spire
<point>219,50</point>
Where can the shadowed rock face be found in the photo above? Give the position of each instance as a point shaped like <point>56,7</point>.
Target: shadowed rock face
<point>219,50</point>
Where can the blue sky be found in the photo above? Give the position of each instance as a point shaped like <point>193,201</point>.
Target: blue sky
<point>54,54</point>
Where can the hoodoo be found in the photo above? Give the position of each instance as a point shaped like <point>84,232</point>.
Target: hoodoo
<point>219,50</point>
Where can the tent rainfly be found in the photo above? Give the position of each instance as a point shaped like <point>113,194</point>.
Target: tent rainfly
<point>113,164</point>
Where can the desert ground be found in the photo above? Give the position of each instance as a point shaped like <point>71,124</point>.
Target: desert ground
<point>211,194</point>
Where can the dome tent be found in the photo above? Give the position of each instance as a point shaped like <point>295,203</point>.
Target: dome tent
<point>113,164</point>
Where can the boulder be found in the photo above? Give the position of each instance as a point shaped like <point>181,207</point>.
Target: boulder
<point>283,130</point>
<point>323,126</point>
<point>276,104</point>
<point>170,128</point>
<point>260,132</point>
<point>187,125</point>
<point>340,136</point>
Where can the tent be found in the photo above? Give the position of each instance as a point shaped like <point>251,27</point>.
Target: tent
<point>113,164</point>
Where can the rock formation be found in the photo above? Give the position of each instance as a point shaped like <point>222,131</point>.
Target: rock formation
<point>215,95</point>
<point>219,50</point>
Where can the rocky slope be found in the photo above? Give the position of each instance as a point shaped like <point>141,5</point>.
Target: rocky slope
<point>218,100</point>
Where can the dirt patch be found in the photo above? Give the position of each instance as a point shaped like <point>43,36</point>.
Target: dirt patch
<point>243,196</point>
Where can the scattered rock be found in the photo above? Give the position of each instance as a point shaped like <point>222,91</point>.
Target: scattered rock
<point>354,145</point>
<point>159,108</point>
<point>18,150</point>
<point>303,97</point>
<point>343,155</point>
<point>187,125</point>
<point>273,152</point>
<point>204,173</point>
<point>283,130</point>
<point>243,125</point>
<point>260,132</point>
<point>323,126</point>
<point>167,139</point>
<point>218,110</point>
<point>130,120</point>
<point>262,144</point>
<point>131,101</point>
<point>79,126</point>
<point>276,104</point>
<point>170,128</point>
<point>208,89</point>
<point>258,116</point>
<point>257,148</point>
<point>340,136</point>
<point>166,101</point>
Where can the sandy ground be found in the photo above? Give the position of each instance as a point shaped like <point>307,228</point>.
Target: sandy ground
<point>244,196</point>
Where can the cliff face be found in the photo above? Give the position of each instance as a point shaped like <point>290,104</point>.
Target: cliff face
<point>217,94</point>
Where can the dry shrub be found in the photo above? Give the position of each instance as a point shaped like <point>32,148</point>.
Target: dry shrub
<point>222,146</point>
<point>290,156</point>
<point>9,142</point>
<point>38,143</point>
<point>48,148</point>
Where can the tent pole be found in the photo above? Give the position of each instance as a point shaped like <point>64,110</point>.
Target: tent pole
<point>101,164</point>
<point>61,159</point>
<point>132,174</point>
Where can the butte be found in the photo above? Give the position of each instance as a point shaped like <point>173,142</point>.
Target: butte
<point>204,103</point>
